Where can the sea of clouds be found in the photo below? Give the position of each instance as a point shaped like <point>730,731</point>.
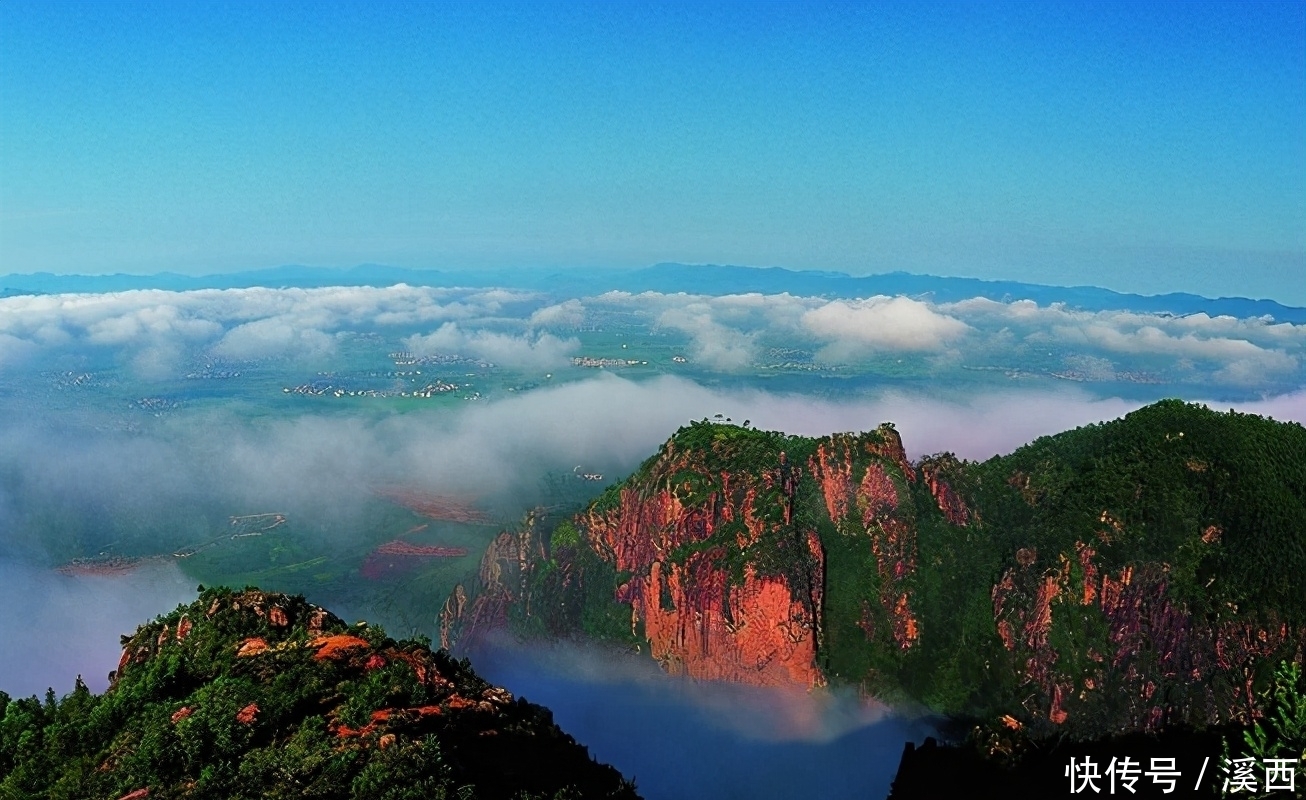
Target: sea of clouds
<point>154,331</point>
<point>81,461</point>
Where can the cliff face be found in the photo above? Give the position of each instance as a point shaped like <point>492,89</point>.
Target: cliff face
<point>1147,585</point>
<point>863,482</point>
<point>500,582</point>
<point>1093,582</point>
<point>727,540</point>
<point>698,622</point>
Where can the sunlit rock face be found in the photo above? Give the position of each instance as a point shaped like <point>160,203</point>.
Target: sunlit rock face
<point>724,548</point>
<point>876,508</point>
<point>758,631</point>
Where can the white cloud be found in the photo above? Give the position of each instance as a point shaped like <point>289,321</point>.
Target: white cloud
<point>1246,351</point>
<point>711,343</point>
<point>267,338</point>
<point>541,351</point>
<point>151,322</point>
<point>1244,363</point>
<point>154,330</point>
<point>897,324</point>
<point>15,350</point>
<point>566,314</point>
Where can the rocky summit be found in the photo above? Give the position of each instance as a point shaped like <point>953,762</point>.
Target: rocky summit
<point>257,695</point>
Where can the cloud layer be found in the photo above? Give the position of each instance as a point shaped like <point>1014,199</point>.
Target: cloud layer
<point>539,350</point>
<point>152,331</point>
<point>106,483</point>
<point>126,484</point>
<point>238,324</point>
<point>57,627</point>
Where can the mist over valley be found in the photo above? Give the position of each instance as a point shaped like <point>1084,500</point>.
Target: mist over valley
<point>365,446</point>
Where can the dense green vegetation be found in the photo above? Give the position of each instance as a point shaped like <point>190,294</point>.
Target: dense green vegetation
<point>1008,764</point>
<point>269,697</point>
<point>1165,473</point>
<point>1207,505</point>
<point>577,592</point>
<point>1281,734</point>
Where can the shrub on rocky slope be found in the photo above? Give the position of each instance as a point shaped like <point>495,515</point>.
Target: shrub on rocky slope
<point>256,695</point>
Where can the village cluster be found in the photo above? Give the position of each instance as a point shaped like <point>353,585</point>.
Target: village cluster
<point>406,359</point>
<point>802,366</point>
<point>433,389</point>
<point>157,405</point>
<point>1080,376</point>
<point>70,380</point>
<point>601,363</point>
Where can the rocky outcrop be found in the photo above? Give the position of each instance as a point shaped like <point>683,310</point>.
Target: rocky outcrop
<point>936,471</point>
<point>501,580</point>
<point>1164,666</point>
<point>756,633</point>
<point>248,714</point>
<point>337,647</point>
<point>273,612</point>
<point>721,554</point>
<point>253,646</point>
<point>255,704</point>
<point>856,475</point>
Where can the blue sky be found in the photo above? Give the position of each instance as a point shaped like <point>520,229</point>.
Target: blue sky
<point>1144,148</point>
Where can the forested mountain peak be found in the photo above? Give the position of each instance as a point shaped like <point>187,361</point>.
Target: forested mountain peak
<point>249,694</point>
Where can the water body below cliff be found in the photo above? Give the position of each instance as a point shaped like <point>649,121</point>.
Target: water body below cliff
<point>678,739</point>
<point>682,739</point>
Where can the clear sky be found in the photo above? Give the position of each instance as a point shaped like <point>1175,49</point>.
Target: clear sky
<point>1141,147</point>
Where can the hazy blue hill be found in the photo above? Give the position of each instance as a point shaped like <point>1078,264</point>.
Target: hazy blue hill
<point>276,277</point>
<point>771,280</point>
<point>667,278</point>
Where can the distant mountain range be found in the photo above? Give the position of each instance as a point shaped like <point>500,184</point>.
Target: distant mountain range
<point>668,278</point>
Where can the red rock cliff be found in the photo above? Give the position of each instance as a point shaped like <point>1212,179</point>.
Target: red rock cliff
<point>723,569</point>
<point>759,630</point>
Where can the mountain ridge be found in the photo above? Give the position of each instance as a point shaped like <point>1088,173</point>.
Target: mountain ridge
<point>667,278</point>
<point>1126,576</point>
